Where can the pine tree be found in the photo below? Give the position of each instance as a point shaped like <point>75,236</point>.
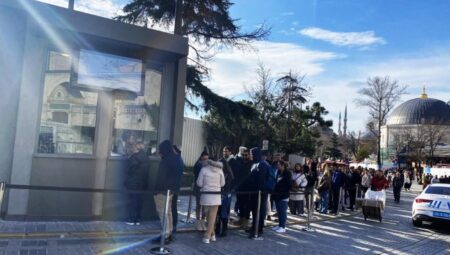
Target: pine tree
<point>204,22</point>
<point>333,151</point>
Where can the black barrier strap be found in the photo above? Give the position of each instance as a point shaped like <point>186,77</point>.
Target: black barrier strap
<point>124,191</point>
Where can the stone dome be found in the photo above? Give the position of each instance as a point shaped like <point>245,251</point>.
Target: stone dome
<point>421,110</point>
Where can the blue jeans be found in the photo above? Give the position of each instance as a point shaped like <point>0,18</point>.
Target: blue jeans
<point>135,207</point>
<point>282,207</point>
<point>324,201</point>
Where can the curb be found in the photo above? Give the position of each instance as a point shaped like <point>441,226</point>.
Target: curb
<point>106,234</point>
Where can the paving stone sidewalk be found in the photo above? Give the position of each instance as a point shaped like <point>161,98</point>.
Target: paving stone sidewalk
<point>18,229</point>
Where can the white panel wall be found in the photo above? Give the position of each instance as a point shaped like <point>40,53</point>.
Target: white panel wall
<point>194,140</point>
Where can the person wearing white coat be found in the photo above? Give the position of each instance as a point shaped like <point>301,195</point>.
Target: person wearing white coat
<point>299,183</point>
<point>210,179</point>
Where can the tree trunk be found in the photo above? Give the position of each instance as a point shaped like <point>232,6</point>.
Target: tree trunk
<point>178,18</point>
<point>379,137</point>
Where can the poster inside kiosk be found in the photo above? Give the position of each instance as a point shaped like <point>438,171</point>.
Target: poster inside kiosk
<point>97,70</point>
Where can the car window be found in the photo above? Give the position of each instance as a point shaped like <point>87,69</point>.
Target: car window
<point>438,190</point>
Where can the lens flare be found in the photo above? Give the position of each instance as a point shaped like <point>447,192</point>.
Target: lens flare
<point>124,248</point>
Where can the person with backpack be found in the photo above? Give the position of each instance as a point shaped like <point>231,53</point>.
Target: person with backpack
<point>299,183</point>
<point>260,180</point>
<point>281,195</point>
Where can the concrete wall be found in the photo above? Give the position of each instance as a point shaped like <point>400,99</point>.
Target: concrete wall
<point>194,140</point>
<point>12,43</point>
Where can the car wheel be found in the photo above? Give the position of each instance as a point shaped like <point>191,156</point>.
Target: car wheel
<point>417,223</point>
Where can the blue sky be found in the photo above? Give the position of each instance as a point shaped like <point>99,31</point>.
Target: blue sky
<point>337,44</point>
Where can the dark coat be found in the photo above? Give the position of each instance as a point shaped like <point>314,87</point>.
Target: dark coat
<point>258,174</point>
<point>324,184</point>
<point>170,169</point>
<point>243,180</point>
<point>229,176</point>
<point>137,173</point>
<point>283,186</point>
<point>397,183</point>
<point>337,179</point>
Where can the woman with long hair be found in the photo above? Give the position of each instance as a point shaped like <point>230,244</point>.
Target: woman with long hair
<point>324,190</point>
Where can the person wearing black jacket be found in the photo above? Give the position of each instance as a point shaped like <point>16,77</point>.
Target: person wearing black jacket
<point>243,185</point>
<point>136,180</point>
<point>281,195</point>
<point>353,179</point>
<point>168,178</point>
<point>397,184</point>
<point>257,182</point>
<point>224,208</point>
<point>311,177</point>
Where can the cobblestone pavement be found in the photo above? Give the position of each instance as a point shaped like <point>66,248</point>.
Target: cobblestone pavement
<point>349,235</point>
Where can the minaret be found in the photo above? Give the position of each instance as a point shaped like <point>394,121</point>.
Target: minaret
<point>345,121</point>
<point>339,127</point>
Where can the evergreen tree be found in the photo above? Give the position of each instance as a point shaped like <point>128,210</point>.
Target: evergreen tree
<point>333,151</point>
<point>206,23</point>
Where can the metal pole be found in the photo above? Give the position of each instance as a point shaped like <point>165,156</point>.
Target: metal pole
<point>161,249</point>
<point>308,219</point>
<point>188,217</point>
<point>2,195</point>
<point>256,236</point>
<point>71,4</point>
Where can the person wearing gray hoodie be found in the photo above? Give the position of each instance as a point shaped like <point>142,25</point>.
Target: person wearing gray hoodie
<point>210,179</point>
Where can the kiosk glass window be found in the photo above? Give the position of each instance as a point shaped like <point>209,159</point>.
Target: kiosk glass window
<point>68,115</point>
<point>136,116</point>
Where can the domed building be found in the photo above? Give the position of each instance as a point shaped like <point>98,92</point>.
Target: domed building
<point>418,128</point>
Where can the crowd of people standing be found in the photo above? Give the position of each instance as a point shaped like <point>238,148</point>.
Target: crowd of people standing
<point>259,183</point>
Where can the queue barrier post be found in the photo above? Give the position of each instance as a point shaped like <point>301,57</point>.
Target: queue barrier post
<point>188,216</point>
<point>310,210</point>
<point>2,194</point>
<point>161,250</point>
<point>258,215</point>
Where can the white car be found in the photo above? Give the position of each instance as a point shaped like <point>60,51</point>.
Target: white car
<point>432,205</point>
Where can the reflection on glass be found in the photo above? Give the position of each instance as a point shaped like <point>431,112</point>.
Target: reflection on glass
<point>68,113</point>
<point>136,117</point>
<point>108,71</point>
<point>59,61</point>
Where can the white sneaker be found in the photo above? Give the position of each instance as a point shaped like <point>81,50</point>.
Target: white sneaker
<point>275,228</point>
<point>281,230</point>
<point>137,223</point>
<point>130,223</point>
<point>205,240</point>
<point>213,238</point>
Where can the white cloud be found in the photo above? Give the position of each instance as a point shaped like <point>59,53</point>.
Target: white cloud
<point>104,8</point>
<point>232,69</point>
<point>359,39</point>
<point>287,13</point>
<point>413,71</point>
